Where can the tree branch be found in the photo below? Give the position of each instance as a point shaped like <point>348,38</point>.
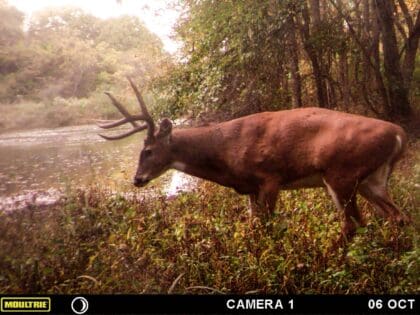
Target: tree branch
<point>407,15</point>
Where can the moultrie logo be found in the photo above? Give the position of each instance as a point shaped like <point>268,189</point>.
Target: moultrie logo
<point>25,304</point>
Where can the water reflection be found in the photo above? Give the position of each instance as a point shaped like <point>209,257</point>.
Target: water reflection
<point>178,182</point>
<point>37,166</point>
<point>41,159</point>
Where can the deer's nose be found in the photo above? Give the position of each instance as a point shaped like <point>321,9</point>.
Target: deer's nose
<point>139,182</point>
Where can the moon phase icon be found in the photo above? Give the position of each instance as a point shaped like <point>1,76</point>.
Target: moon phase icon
<point>79,305</point>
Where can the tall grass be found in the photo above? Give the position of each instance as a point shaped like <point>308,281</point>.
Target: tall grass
<point>201,242</point>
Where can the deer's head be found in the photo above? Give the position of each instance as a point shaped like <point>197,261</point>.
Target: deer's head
<point>155,157</point>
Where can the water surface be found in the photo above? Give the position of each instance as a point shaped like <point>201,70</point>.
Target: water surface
<point>37,166</point>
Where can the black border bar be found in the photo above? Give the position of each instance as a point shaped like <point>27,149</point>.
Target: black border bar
<point>233,304</point>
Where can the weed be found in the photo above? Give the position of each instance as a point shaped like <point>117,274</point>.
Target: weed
<point>201,242</point>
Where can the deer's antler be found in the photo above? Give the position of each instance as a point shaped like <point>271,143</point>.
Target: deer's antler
<point>144,116</point>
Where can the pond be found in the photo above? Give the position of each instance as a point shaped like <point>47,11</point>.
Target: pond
<point>37,166</point>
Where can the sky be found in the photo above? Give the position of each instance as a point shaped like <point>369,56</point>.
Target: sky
<point>156,15</point>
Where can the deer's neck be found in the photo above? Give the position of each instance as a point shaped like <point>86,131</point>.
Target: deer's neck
<point>195,151</point>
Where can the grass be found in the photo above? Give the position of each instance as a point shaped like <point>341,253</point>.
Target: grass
<point>201,242</point>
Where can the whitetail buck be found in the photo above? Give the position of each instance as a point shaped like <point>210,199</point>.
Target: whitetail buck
<point>260,154</point>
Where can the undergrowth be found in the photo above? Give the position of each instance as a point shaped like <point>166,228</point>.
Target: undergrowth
<point>202,242</point>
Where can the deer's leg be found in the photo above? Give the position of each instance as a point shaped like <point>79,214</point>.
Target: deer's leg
<point>379,198</point>
<point>344,196</point>
<point>262,204</point>
<point>374,190</point>
<point>253,205</point>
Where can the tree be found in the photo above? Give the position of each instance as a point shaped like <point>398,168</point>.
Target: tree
<point>310,32</point>
<point>234,53</point>
<point>10,24</point>
<point>294,61</point>
<point>67,21</point>
<point>71,54</point>
<point>247,56</point>
<point>399,105</point>
<point>394,83</point>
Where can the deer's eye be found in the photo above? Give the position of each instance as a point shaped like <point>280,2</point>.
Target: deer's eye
<point>147,153</point>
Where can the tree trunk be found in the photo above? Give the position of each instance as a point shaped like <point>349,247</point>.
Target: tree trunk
<point>367,77</point>
<point>398,92</point>
<point>294,65</point>
<point>374,50</point>
<point>315,13</point>
<point>343,66</point>
<point>411,50</point>
<point>344,77</point>
<point>313,53</point>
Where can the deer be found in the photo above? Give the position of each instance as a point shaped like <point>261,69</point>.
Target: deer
<point>260,154</point>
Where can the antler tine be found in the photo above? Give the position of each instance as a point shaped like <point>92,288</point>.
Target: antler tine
<point>126,134</point>
<point>120,122</point>
<point>147,117</point>
<point>128,118</point>
<point>122,110</point>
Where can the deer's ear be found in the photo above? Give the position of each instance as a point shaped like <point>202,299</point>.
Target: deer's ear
<point>165,128</point>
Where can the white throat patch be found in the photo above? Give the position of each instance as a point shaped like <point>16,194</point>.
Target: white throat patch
<point>179,166</point>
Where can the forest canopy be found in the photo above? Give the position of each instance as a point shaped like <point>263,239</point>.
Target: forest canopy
<point>237,58</point>
<point>248,56</point>
<point>56,66</point>
<point>65,52</point>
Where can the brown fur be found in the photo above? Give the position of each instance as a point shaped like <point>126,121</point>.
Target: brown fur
<point>262,153</point>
